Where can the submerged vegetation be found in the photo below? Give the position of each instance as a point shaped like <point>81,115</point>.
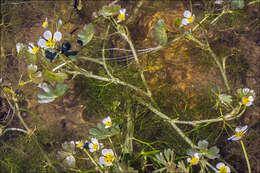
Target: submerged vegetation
<point>117,86</point>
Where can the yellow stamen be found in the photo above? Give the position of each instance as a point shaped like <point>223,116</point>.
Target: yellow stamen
<point>35,49</point>
<point>223,169</point>
<point>45,24</point>
<point>194,160</point>
<point>50,42</point>
<point>239,134</point>
<point>190,19</point>
<point>95,147</point>
<point>109,157</point>
<point>80,144</point>
<point>245,100</point>
<point>108,123</point>
<point>21,83</point>
<point>121,17</point>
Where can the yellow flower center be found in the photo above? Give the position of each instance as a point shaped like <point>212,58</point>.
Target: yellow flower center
<point>80,144</point>
<point>194,160</point>
<point>108,123</point>
<point>223,169</point>
<point>190,19</point>
<point>239,134</point>
<point>95,147</point>
<point>35,49</point>
<point>21,83</point>
<point>245,100</point>
<point>50,42</point>
<point>109,157</point>
<point>121,17</point>
<point>45,24</point>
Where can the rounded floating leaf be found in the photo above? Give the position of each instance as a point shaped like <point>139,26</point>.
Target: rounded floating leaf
<point>86,34</point>
<point>160,32</point>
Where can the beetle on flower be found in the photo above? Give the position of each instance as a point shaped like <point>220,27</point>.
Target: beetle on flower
<point>107,158</point>
<point>240,131</point>
<point>222,168</point>
<point>188,17</point>
<point>49,40</point>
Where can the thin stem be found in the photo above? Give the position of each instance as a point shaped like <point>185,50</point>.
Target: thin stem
<point>16,129</point>
<point>245,153</point>
<point>93,161</point>
<point>103,53</point>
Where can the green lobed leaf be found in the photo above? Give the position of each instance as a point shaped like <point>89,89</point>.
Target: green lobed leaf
<point>237,4</point>
<point>160,32</point>
<point>60,89</point>
<point>46,98</point>
<point>95,132</point>
<point>55,77</point>
<point>109,10</point>
<point>203,145</point>
<point>213,153</point>
<point>86,34</point>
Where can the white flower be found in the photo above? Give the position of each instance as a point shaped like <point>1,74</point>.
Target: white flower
<point>94,145</point>
<point>240,131</point>
<point>32,49</point>
<point>44,86</point>
<point>81,144</point>
<point>107,122</point>
<point>218,2</point>
<point>19,47</point>
<point>48,41</point>
<point>222,168</point>
<point>188,17</point>
<point>194,160</point>
<point>247,100</point>
<point>247,91</point>
<point>121,15</point>
<point>107,158</point>
<point>32,67</point>
<point>45,23</point>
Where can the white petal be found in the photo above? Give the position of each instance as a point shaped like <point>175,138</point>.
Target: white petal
<point>19,46</point>
<point>47,35</point>
<point>244,128</point>
<point>94,140</point>
<point>105,151</point>
<point>32,67</point>
<point>231,138</point>
<point>122,11</point>
<point>91,150</point>
<point>251,98</point>
<point>196,155</point>
<point>101,160</point>
<point>218,2</point>
<point>57,36</point>
<point>90,145</point>
<point>59,22</point>
<point>188,160</point>
<point>228,169</point>
<point>238,129</point>
<point>187,13</point>
<point>31,45</point>
<point>245,91</point>
<point>30,50</point>
<point>220,164</point>
<point>44,86</point>
<point>236,138</point>
<point>42,43</point>
<point>185,21</point>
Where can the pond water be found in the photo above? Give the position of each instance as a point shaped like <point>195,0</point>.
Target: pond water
<point>173,73</point>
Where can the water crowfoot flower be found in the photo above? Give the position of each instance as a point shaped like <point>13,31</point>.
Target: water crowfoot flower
<point>107,158</point>
<point>222,168</point>
<point>107,122</point>
<point>121,16</point>
<point>49,41</point>
<point>194,160</point>
<point>188,17</point>
<point>240,131</point>
<point>33,49</point>
<point>94,145</point>
<point>19,47</point>
<point>248,97</point>
<point>81,144</point>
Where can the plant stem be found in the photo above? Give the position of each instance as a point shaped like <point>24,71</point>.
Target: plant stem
<point>93,161</point>
<point>245,153</point>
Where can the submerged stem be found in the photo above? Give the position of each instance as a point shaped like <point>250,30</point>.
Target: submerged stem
<point>246,157</point>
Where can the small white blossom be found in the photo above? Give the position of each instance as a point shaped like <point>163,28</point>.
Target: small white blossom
<point>49,40</point>
<point>107,158</point>
<point>188,17</point>
<point>45,23</point>
<point>94,145</point>
<point>222,168</point>
<point>107,122</point>
<point>32,48</point>
<point>121,15</point>
<point>240,131</point>
<point>194,160</point>
<point>19,47</point>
